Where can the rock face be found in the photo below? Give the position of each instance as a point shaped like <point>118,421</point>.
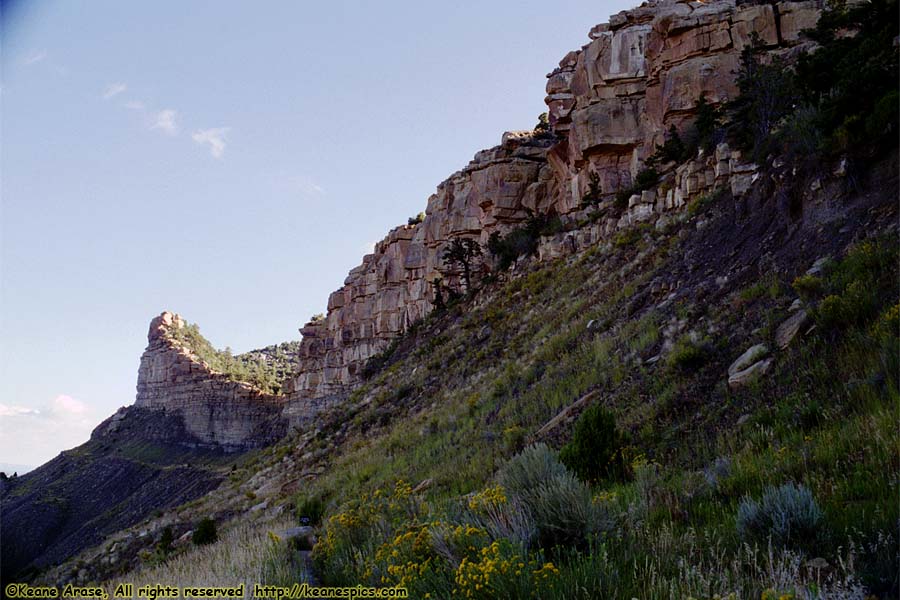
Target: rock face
<point>610,103</point>
<point>392,288</point>
<point>645,70</point>
<point>219,412</point>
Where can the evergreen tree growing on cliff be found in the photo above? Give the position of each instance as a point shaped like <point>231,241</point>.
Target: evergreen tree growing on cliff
<point>767,94</point>
<point>708,124</point>
<point>462,252</point>
<point>438,285</point>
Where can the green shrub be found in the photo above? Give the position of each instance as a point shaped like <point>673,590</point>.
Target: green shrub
<point>595,451</point>
<point>858,287</point>
<point>627,238</point>
<point>522,241</point>
<point>708,124</point>
<point>687,356</point>
<point>595,192</point>
<point>672,150</point>
<point>205,533</point>
<point>378,361</point>
<point>513,438</point>
<point>165,541</point>
<point>788,515</point>
<point>530,468</point>
<point>644,180</point>
<point>564,512</point>
<point>808,286</point>
<point>559,505</point>
<point>543,124</point>
<point>309,510</point>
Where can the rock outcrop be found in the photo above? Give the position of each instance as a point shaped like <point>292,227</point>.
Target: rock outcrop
<point>610,103</point>
<point>216,410</point>
<point>393,287</point>
<point>644,71</point>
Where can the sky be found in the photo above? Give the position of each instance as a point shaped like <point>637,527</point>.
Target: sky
<point>229,161</point>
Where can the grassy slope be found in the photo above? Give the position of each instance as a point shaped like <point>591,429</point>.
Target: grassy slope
<point>468,388</point>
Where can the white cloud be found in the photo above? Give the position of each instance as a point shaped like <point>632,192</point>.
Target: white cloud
<point>35,435</point>
<point>215,138</point>
<point>114,89</point>
<point>33,59</point>
<point>165,120</point>
<point>16,411</point>
<point>67,405</point>
<point>305,187</point>
<point>135,105</point>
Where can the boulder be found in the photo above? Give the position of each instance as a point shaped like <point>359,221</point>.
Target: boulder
<point>750,374</point>
<point>788,330</point>
<point>749,357</point>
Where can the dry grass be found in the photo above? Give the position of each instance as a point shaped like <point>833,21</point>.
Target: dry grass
<point>249,552</point>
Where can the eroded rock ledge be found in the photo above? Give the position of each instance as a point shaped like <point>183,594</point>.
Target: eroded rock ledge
<point>392,287</point>
<point>610,103</point>
<point>614,99</point>
<point>216,410</point>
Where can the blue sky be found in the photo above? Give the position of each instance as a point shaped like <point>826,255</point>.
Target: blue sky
<point>228,161</point>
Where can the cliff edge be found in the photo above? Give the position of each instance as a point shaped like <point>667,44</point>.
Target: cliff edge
<point>217,410</point>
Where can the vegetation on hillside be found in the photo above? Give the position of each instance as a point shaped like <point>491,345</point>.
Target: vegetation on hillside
<point>839,102</point>
<point>265,369</point>
<point>571,433</point>
<point>701,503</point>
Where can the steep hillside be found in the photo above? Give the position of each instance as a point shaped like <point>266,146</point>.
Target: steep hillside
<point>648,350</point>
<point>137,462</point>
<point>194,420</point>
<point>646,326</point>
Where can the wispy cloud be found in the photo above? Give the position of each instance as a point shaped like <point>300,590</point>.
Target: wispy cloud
<point>114,89</point>
<point>34,435</point>
<point>16,411</point>
<point>214,138</point>
<point>305,187</point>
<point>165,121</point>
<point>33,59</point>
<point>135,105</point>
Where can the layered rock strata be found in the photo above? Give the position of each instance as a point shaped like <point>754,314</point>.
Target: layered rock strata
<point>610,103</point>
<point>614,99</point>
<point>216,410</point>
<point>393,287</point>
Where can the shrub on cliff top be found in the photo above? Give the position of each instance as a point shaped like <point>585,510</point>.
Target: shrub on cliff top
<point>264,372</point>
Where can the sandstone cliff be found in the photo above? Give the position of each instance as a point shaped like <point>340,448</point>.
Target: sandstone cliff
<point>610,103</point>
<point>392,289</point>
<point>216,410</point>
<point>645,70</point>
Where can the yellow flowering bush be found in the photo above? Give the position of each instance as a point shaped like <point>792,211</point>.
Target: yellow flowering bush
<point>453,542</point>
<point>501,570</point>
<point>346,550</point>
<point>772,594</point>
<point>410,561</point>
<point>487,499</point>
